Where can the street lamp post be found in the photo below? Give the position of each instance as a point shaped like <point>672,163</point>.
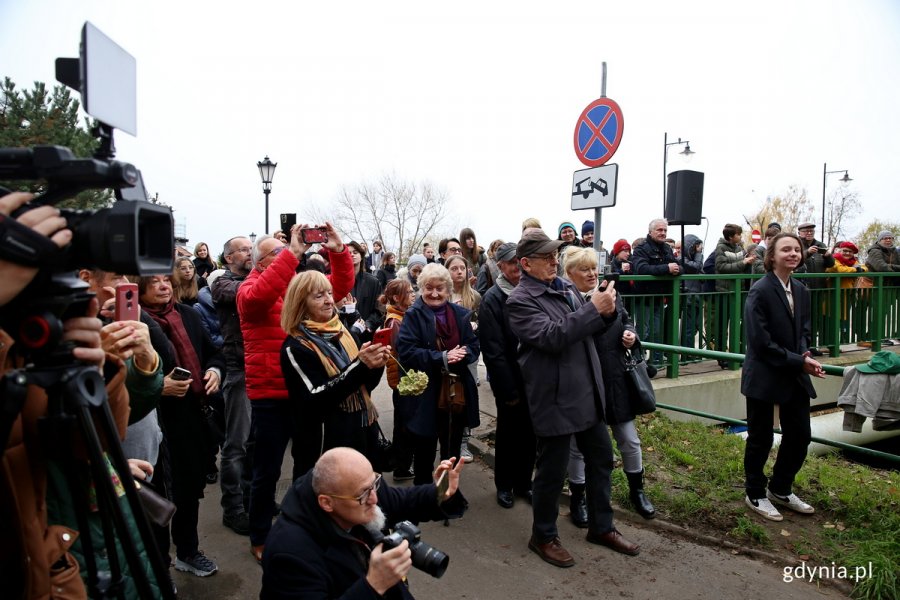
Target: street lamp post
<point>252,237</point>
<point>266,173</point>
<point>825,173</point>
<point>686,152</point>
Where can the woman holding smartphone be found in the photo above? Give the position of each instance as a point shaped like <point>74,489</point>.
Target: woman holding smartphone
<point>328,377</point>
<point>582,269</point>
<point>181,410</point>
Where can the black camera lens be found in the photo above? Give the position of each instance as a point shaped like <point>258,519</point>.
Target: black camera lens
<point>429,559</point>
<point>129,295</point>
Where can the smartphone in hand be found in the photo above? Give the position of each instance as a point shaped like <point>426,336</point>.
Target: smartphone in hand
<point>180,374</point>
<point>315,235</point>
<point>382,336</point>
<point>127,307</point>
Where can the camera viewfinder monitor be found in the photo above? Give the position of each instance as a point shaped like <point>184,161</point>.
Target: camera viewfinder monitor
<point>108,80</point>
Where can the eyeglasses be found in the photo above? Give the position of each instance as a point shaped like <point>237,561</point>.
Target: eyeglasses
<point>245,250</point>
<point>364,497</point>
<point>275,251</point>
<point>552,257</point>
<point>454,250</point>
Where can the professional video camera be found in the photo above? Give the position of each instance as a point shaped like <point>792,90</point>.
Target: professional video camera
<point>424,557</point>
<point>133,236</point>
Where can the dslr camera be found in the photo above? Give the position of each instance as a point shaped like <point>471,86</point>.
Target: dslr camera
<point>424,557</point>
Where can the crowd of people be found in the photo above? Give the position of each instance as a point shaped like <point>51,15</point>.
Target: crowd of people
<point>280,343</point>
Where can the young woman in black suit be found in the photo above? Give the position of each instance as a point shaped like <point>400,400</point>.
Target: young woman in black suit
<point>776,372</point>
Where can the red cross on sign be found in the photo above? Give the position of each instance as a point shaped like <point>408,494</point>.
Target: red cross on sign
<point>598,132</point>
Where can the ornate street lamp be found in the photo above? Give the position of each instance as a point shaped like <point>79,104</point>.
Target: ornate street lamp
<point>266,173</point>
<point>686,152</point>
<point>844,180</point>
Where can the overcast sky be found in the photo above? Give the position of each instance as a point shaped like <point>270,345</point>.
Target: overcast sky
<point>481,99</point>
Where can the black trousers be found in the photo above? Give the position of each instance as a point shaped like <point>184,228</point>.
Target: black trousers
<point>515,448</point>
<point>795,428</point>
<point>552,462</point>
<point>450,432</point>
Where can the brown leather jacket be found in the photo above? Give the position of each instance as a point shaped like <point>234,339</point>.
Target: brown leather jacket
<point>29,546</point>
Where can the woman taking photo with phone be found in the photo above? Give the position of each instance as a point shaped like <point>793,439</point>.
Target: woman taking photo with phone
<point>581,267</point>
<point>328,378</point>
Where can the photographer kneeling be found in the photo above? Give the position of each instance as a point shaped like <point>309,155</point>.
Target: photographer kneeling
<point>326,543</point>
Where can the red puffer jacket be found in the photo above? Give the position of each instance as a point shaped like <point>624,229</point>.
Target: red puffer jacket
<point>259,301</point>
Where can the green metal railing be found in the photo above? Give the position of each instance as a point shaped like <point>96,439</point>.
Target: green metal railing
<point>739,358</point>
<point>714,320</point>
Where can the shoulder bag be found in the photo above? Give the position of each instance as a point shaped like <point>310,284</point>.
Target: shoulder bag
<point>641,396</point>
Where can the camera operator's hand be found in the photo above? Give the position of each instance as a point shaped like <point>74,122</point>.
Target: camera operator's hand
<point>140,469</point>
<point>85,331</point>
<point>130,338</point>
<point>44,220</point>
<point>334,239</point>
<point>174,387</point>
<point>452,475</point>
<point>211,379</point>
<point>297,246</point>
<point>387,568</point>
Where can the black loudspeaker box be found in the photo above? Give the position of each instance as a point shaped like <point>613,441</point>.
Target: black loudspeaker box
<point>684,198</point>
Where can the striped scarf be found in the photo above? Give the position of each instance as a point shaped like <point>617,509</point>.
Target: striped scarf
<point>335,357</point>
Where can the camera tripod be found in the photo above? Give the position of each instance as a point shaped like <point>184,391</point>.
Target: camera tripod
<point>77,405</point>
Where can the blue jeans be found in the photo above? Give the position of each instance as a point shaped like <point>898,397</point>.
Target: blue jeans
<point>235,472</point>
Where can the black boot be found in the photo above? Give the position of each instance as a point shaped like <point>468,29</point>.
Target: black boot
<point>578,505</point>
<point>641,503</point>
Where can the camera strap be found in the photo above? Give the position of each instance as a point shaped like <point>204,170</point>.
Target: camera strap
<point>23,245</point>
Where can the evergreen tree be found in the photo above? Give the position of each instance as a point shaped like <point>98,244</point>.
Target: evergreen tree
<point>42,117</point>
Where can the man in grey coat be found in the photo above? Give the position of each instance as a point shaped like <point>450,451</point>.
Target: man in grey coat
<point>564,390</point>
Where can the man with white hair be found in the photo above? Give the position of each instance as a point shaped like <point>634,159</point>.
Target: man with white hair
<point>327,542</point>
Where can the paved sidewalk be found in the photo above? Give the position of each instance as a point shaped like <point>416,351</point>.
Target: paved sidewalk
<point>490,560</point>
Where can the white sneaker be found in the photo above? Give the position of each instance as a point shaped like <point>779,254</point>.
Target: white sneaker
<point>763,507</point>
<point>792,502</point>
<point>466,454</point>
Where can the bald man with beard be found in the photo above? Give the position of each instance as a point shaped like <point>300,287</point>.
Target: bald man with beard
<point>326,543</point>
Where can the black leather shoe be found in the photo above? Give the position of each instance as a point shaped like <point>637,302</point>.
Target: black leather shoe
<point>505,498</point>
<point>613,539</point>
<point>816,352</point>
<point>552,552</point>
<point>238,523</point>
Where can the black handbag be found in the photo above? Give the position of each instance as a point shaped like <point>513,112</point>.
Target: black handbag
<point>159,509</point>
<point>641,396</point>
<point>383,456</point>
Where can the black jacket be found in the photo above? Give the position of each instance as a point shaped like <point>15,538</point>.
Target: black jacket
<point>316,398</point>
<point>385,274</point>
<point>499,347</point>
<point>612,361</point>
<point>308,556</point>
<point>776,341</point>
<point>224,295</point>
<point>652,258</point>
<point>366,290</point>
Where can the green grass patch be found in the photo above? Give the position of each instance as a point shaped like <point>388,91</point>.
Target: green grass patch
<point>694,475</point>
